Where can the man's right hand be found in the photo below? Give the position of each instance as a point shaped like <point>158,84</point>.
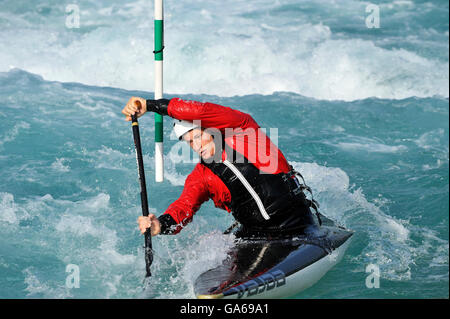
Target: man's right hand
<point>136,105</point>
<point>150,221</point>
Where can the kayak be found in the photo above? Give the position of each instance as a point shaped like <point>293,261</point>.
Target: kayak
<point>276,268</point>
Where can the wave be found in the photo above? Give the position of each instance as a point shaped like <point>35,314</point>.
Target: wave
<point>395,245</point>
<point>247,48</point>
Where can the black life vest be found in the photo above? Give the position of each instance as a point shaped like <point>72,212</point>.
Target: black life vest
<point>281,195</point>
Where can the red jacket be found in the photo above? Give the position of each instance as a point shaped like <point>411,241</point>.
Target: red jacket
<point>246,138</point>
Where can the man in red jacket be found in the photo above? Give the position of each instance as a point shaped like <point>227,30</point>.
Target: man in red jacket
<point>240,169</point>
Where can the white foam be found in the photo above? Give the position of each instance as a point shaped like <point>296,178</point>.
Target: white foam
<point>14,132</point>
<point>431,139</point>
<point>216,244</point>
<point>59,166</point>
<point>402,3</point>
<point>109,158</point>
<point>7,208</point>
<point>439,164</point>
<point>37,289</point>
<point>359,143</point>
<point>390,245</point>
<point>76,224</point>
<point>372,148</point>
<point>205,252</point>
<point>96,203</point>
<point>435,142</point>
<point>86,241</point>
<point>236,55</point>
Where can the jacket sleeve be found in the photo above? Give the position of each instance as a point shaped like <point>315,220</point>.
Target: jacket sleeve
<point>211,115</point>
<point>181,211</point>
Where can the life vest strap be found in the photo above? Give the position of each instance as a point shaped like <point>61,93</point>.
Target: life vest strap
<point>312,202</point>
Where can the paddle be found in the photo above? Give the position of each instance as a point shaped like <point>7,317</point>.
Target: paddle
<point>144,202</point>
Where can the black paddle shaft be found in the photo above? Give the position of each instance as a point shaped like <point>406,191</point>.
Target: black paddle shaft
<point>144,201</point>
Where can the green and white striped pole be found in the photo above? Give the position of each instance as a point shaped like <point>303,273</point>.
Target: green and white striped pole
<point>159,46</point>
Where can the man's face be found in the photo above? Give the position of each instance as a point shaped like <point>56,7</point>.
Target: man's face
<point>201,142</point>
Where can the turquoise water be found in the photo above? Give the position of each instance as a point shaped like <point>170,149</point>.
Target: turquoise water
<point>362,113</point>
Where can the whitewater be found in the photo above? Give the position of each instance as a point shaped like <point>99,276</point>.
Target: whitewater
<point>362,113</point>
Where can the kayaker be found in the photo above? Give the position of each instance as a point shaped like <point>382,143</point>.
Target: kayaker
<point>240,169</point>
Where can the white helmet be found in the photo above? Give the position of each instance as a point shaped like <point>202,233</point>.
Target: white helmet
<point>181,127</point>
